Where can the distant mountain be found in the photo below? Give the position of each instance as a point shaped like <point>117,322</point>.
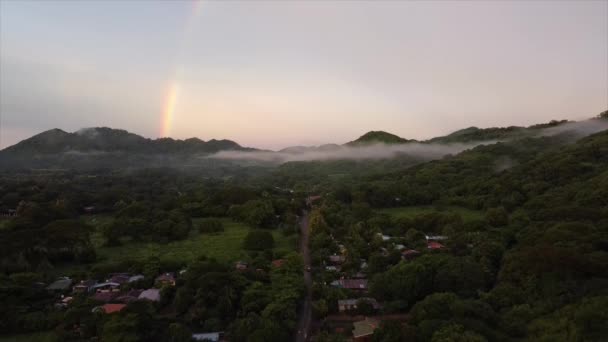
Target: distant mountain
<point>103,147</point>
<point>108,140</point>
<point>372,137</point>
<point>472,134</point>
<point>303,149</point>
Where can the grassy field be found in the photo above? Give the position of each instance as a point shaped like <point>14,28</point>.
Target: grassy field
<point>467,214</point>
<point>224,246</point>
<point>3,222</point>
<point>47,336</point>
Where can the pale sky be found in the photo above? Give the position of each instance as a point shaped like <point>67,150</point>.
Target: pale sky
<point>274,74</point>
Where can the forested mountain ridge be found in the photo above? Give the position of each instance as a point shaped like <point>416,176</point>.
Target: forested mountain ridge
<point>103,139</point>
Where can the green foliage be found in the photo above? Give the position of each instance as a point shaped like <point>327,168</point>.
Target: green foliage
<point>256,213</point>
<point>258,240</point>
<point>210,225</point>
<point>497,217</point>
<point>456,333</point>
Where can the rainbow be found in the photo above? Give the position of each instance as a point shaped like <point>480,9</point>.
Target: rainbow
<point>171,96</point>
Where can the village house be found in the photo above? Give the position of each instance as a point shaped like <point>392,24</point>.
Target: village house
<point>152,295</point>
<point>105,297</point>
<point>333,268</point>
<point>84,286</point>
<point>128,297</point>
<point>60,285</point>
<point>105,287</point>
<point>337,259</point>
<point>359,275</point>
<point>165,279</point>
<point>135,278</point>
<point>241,266</point>
<point>436,237</point>
<point>208,337</point>
<point>345,305</point>
<point>120,278</point>
<point>363,330</point>
<point>9,213</point>
<point>359,285</point>
<point>64,302</point>
<point>434,245</point>
<point>89,210</point>
<point>278,263</point>
<point>410,254</point>
<point>109,308</point>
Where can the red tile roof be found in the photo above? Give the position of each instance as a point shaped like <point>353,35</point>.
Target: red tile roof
<point>111,308</point>
<point>278,262</point>
<point>435,245</point>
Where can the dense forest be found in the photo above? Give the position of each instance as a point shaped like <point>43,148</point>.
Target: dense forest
<point>505,241</point>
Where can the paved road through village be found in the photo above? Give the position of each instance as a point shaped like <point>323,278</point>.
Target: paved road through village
<point>303,329</point>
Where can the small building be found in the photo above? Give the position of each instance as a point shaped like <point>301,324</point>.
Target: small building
<point>333,268</point>
<point>9,213</point>
<point>109,308</point>
<point>60,285</point>
<point>345,305</point>
<point>151,295</point>
<point>434,245</point>
<point>436,237</point>
<point>135,278</point>
<point>363,330</point>
<point>64,302</point>
<point>119,278</point>
<point>359,275</point>
<point>399,247</point>
<point>89,209</point>
<point>165,279</point>
<point>128,297</point>
<point>241,266</point>
<point>351,284</point>
<point>278,263</point>
<point>106,287</point>
<point>105,297</point>
<point>410,254</point>
<point>84,286</point>
<point>337,259</point>
<point>209,336</point>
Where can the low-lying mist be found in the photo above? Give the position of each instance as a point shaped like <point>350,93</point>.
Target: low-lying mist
<point>420,150</point>
<point>345,152</point>
<point>578,128</point>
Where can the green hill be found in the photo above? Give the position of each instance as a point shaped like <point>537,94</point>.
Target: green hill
<point>372,137</point>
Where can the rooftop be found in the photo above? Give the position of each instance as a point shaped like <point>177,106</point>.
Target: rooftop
<point>60,284</point>
<point>111,308</point>
<point>150,294</point>
<point>365,327</point>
